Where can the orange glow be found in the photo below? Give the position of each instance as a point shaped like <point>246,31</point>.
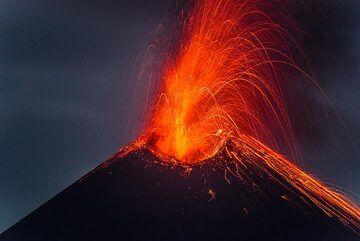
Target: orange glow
<point>226,82</point>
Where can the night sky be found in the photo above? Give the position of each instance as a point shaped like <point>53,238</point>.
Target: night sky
<point>68,73</point>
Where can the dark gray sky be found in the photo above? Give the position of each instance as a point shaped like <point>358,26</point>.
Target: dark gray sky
<point>68,71</point>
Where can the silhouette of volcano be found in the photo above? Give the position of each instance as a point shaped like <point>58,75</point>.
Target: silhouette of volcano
<point>136,196</point>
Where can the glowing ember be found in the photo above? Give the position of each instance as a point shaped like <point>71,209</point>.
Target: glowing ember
<point>225,82</point>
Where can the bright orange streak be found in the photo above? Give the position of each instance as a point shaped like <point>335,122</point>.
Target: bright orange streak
<point>226,82</point>
<point>330,202</point>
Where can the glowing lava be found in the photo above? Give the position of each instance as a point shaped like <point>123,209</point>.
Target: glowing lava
<point>226,82</point>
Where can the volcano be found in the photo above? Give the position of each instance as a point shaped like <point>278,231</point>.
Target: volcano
<point>206,164</point>
<point>136,195</point>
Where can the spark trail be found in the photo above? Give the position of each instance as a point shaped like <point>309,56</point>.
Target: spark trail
<point>224,81</point>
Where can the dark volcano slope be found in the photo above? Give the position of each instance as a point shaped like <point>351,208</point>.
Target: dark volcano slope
<point>135,197</point>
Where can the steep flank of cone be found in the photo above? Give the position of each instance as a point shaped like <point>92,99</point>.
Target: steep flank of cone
<point>136,196</point>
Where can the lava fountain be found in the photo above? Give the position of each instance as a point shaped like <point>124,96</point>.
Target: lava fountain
<point>225,81</point>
